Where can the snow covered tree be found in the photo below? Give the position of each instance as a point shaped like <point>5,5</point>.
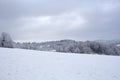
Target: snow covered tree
<point>0,42</point>
<point>6,40</point>
<point>71,46</point>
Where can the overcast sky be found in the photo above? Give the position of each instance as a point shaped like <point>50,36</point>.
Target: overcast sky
<point>45,20</point>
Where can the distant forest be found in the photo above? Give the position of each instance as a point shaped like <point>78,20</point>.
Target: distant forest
<point>66,46</point>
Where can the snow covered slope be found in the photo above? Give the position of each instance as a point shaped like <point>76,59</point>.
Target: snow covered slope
<point>18,64</point>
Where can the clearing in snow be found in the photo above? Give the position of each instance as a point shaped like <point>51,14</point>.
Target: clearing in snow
<point>18,64</point>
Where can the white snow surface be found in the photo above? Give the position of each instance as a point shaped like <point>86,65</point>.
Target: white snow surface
<point>18,64</point>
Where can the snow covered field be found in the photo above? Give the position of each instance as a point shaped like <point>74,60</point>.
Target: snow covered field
<point>18,64</point>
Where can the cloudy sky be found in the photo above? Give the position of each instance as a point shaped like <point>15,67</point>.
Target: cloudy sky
<point>45,20</point>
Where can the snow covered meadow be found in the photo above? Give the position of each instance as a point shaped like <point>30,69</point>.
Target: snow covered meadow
<point>59,39</point>
<point>20,64</point>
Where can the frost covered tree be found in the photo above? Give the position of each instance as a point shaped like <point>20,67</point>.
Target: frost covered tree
<point>0,41</point>
<point>71,46</point>
<point>6,40</point>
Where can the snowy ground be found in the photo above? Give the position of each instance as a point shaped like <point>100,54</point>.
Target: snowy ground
<point>18,64</point>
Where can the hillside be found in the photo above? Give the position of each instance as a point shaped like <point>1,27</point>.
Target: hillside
<point>18,64</point>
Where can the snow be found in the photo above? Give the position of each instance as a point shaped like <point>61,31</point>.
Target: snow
<point>52,50</point>
<point>18,64</point>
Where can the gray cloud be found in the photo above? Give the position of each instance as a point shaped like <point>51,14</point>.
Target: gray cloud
<point>39,20</point>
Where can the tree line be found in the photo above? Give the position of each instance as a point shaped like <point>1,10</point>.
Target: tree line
<point>66,46</point>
